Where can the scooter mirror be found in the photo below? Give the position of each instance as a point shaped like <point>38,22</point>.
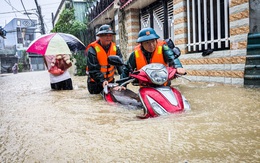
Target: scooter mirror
<point>115,60</point>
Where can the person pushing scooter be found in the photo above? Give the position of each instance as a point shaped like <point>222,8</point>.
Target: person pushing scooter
<point>151,50</point>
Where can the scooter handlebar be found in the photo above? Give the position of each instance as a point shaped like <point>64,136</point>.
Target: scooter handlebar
<point>123,80</point>
<point>127,81</point>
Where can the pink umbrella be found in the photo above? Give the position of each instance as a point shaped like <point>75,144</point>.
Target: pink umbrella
<point>55,43</point>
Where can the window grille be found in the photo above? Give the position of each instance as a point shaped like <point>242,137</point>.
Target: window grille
<point>170,10</point>
<point>145,20</point>
<point>170,19</point>
<point>208,25</point>
<point>158,17</point>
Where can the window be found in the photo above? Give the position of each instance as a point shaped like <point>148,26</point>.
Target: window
<point>208,25</point>
<point>19,36</point>
<point>145,20</point>
<point>153,16</point>
<point>18,23</point>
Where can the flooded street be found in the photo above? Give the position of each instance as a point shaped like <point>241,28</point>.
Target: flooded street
<point>40,125</point>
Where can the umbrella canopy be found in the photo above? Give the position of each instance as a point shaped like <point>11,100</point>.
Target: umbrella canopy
<point>55,43</point>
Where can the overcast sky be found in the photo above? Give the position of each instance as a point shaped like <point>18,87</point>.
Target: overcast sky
<point>14,9</point>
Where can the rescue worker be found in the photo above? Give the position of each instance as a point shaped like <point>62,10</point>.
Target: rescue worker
<point>151,50</point>
<point>100,72</point>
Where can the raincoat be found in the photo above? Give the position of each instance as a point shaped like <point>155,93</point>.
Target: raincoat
<point>96,77</point>
<point>168,57</point>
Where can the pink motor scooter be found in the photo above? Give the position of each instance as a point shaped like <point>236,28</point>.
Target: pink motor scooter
<point>155,97</point>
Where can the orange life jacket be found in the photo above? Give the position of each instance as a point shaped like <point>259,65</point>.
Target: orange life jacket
<point>157,56</point>
<point>107,70</point>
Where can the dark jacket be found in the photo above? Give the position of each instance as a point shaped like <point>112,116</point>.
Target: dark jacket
<point>168,56</point>
<point>94,69</point>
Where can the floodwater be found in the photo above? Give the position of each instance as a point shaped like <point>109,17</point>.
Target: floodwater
<point>40,125</point>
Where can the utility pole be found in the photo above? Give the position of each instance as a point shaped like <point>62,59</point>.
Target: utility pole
<point>52,19</point>
<point>40,17</point>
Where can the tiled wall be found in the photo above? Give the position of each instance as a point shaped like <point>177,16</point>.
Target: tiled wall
<point>225,66</point>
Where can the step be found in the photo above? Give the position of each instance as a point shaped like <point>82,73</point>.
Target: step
<point>252,72</point>
<point>252,77</point>
<point>253,47</point>
<point>253,35</point>
<point>252,67</point>
<point>252,83</point>
<point>253,38</point>
<point>253,56</point>
<point>252,61</point>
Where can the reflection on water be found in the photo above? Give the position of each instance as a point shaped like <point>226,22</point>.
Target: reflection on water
<point>40,125</point>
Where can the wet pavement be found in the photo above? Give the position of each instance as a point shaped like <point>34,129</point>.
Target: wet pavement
<point>41,125</point>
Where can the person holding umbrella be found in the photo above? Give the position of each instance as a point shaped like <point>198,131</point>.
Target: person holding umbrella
<point>100,72</point>
<point>58,66</point>
<point>56,49</point>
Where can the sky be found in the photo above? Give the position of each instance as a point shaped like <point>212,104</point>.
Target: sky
<point>14,9</point>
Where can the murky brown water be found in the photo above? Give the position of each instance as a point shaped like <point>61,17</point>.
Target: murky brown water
<point>40,125</point>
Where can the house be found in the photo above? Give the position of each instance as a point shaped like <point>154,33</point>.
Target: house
<point>79,7</point>
<point>7,58</point>
<point>20,33</point>
<point>219,39</point>
<point>213,35</point>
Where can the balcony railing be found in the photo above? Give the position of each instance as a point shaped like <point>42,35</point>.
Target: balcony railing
<point>99,8</point>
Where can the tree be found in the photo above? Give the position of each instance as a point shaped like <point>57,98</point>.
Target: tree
<point>68,24</point>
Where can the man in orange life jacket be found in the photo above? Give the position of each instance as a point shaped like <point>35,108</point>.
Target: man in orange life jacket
<point>100,72</point>
<point>151,50</point>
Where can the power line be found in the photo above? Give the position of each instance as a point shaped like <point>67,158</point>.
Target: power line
<point>12,12</point>
<point>26,11</point>
<point>9,3</point>
<point>50,4</point>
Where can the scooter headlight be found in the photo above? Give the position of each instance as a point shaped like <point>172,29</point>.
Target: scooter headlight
<point>158,77</point>
<point>157,73</point>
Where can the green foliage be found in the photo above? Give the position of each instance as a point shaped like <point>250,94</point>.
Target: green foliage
<point>25,58</point>
<point>81,62</point>
<point>23,64</point>
<point>20,67</point>
<point>65,21</point>
<point>68,24</point>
